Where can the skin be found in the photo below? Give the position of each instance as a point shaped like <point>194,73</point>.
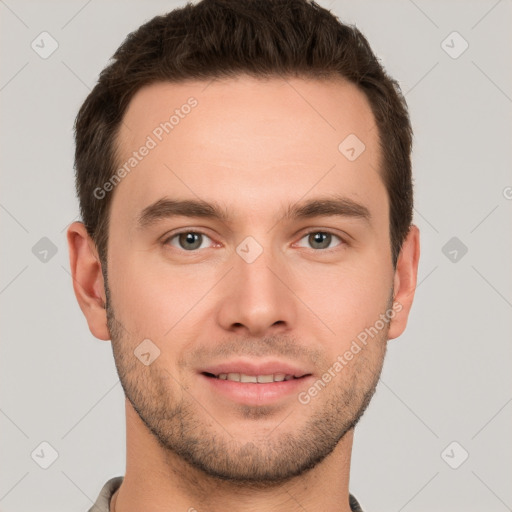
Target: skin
<point>255,147</point>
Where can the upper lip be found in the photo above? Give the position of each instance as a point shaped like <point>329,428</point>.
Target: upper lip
<point>251,368</point>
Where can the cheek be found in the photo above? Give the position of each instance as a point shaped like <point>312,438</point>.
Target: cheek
<point>136,294</point>
<point>347,300</point>
<point>150,297</point>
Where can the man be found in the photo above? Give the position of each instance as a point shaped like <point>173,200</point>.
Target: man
<point>244,177</point>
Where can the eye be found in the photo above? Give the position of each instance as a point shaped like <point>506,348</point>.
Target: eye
<point>321,239</point>
<point>187,240</point>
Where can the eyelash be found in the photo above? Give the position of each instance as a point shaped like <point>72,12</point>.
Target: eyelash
<point>313,231</point>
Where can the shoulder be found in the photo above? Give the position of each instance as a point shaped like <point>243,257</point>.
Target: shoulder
<point>102,503</point>
<point>354,504</point>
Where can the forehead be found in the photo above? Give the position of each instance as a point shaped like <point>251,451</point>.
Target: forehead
<point>247,141</point>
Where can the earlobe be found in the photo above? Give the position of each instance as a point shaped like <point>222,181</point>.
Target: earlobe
<point>88,281</point>
<point>405,279</point>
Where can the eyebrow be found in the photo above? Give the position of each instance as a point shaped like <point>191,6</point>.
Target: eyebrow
<point>166,208</point>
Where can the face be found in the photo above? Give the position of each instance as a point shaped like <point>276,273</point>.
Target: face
<point>289,264</point>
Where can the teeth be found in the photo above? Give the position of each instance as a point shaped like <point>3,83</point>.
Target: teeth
<point>241,377</point>
<point>248,378</point>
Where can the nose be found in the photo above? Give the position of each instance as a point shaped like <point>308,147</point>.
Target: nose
<point>256,298</point>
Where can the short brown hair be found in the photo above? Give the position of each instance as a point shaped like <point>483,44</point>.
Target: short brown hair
<point>226,38</point>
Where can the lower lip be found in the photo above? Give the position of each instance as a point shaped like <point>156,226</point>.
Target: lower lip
<point>257,393</point>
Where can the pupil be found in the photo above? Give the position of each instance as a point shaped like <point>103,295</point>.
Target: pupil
<point>193,239</point>
<point>323,239</point>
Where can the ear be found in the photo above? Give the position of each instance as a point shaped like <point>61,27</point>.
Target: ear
<point>87,279</point>
<point>406,274</point>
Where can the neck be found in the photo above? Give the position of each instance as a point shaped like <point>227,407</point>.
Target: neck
<point>159,480</point>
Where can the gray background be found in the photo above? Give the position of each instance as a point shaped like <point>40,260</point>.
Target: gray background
<point>448,378</point>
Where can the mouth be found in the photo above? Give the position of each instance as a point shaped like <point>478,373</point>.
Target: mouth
<point>254,379</point>
<point>255,390</point>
